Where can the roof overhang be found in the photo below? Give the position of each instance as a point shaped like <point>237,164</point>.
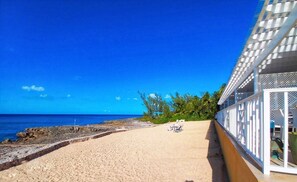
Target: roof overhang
<point>245,66</point>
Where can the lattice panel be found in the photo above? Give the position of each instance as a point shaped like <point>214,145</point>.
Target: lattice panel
<point>278,80</point>
<point>243,95</point>
<point>277,106</point>
<point>292,100</point>
<point>241,129</point>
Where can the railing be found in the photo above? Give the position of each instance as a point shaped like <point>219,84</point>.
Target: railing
<point>248,122</point>
<point>243,122</point>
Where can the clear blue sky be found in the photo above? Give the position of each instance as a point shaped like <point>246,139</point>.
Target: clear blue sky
<point>87,56</point>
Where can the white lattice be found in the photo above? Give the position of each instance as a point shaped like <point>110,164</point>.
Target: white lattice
<point>278,80</point>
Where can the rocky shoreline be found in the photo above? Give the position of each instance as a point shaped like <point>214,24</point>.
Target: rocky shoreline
<point>34,142</point>
<point>47,135</point>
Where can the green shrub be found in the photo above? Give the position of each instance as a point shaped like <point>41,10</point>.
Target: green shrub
<point>188,107</point>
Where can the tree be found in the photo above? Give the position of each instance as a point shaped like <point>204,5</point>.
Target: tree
<point>178,103</point>
<point>155,105</point>
<point>182,106</point>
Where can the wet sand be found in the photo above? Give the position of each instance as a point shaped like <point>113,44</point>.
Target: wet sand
<point>147,154</point>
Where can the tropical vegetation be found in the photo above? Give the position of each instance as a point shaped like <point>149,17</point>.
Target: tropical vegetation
<point>188,107</point>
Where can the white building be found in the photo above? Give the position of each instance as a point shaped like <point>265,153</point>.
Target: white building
<point>262,88</point>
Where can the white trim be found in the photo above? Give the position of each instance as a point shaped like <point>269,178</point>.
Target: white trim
<point>266,133</point>
<point>262,130</point>
<point>292,89</point>
<point>283,170</point>
<point>286,111</point>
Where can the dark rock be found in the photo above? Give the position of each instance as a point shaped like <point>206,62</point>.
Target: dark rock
<point>76,129</point>
<point>7,141</point>
<point>59,133</point>
<point>94,129</point>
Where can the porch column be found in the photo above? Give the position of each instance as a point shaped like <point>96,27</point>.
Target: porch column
<point>256,80</point>
<point>235,96</point>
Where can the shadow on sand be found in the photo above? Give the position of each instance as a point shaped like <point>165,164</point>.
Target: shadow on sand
<point>215,156</point>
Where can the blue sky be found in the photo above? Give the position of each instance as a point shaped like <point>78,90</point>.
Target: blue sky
<point>92,57</point>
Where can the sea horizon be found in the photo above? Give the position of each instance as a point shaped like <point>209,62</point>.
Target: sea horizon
<point>11,124</point>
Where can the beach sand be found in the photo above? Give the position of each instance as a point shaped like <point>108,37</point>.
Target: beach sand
<point>148,154</point>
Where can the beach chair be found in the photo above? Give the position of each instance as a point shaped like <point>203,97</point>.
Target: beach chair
<point>177,126</point>
<point>182,122</point>
<point>171,126</point>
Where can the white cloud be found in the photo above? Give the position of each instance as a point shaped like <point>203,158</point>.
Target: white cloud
<point>33,88</point>
<point>152,95</point>
<point>135,98</point>
<point>43,95</point>
<point>68,95</point>
<point>167,96</point>
<point>118,98</point>
<point>26,88</point>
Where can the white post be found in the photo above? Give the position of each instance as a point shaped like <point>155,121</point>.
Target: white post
<point>248,124</point>
<point>286,111</point>
<point>235,96</point>
<point>262,128</point>
<point>256,80</point>
<point>257,112</point>
<point>245,125</point>
<point>254,129</point>
<point>266,133</point>
<point>251,126</point>
<point>237,122</point>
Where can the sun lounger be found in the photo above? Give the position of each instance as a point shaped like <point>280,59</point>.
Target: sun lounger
<point>177,126</point>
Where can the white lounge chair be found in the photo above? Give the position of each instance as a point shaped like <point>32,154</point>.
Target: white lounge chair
<point>177,126</point>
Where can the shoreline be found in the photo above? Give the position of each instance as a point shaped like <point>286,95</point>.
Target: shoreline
<point>15,123</point>
<point>40,141</point>
<point>51,134</point>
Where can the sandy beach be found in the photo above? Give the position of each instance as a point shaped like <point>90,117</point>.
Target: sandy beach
<point>147,154</point>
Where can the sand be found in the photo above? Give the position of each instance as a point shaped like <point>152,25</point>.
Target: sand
<point>148,154</point>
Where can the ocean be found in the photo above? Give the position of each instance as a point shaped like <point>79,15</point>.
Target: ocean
<point>12,124</point>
